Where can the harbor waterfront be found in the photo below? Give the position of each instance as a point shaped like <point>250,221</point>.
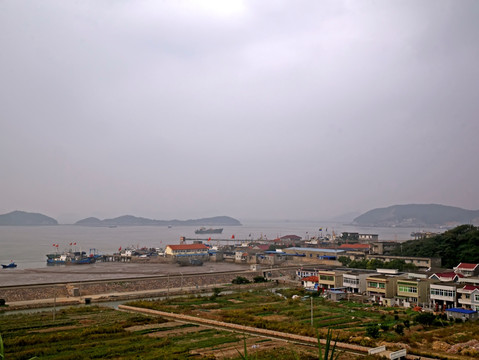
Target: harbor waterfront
<point>28,246</point>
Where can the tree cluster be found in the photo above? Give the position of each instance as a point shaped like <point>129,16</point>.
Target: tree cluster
<point>374,264</point>
<point>454,246</point>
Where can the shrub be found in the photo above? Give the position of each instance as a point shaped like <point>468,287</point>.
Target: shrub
<point>259,279</point>
<point>425,319</point>
<point>372,331</point>
<point>399,329</point>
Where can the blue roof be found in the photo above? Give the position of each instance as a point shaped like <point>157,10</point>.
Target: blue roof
<point>334,251</point>
<point>462,311</point>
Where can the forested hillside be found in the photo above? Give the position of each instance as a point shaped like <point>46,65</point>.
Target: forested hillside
<point>460,244</point>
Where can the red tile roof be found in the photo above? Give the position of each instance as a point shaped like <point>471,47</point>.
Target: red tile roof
<point>470,287</point>
<point>188,247</point>
<point>466,266</point>
<point>354,246</point>
<point>448,275</point>
<point>310,278</point>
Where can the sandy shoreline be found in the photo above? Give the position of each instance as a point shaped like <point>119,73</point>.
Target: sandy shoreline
<point>105,271</point>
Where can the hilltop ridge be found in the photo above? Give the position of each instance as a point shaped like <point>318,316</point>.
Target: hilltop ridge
<point>418,215</point>
<point>22,218</point>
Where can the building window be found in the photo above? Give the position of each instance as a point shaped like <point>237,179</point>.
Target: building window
<point>326,277</point>
<point>408,289</point>
<point>441,292</point>
<point>351,281</point>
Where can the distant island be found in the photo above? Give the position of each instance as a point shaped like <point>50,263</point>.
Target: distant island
<point>418,215</point>
<point>129,220</point>
<point>22,218</point>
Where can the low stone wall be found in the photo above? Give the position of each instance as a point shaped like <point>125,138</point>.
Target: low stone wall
<point>85,289</point>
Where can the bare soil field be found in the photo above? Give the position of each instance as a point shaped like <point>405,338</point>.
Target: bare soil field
<point>107,270</point>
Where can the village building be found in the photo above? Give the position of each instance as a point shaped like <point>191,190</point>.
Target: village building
<point>383,247</point>
<point>413,292</point>
<point>363,248</point>
<point>462,314</point>
<point>310,283</point>
<point>306,272</point>
<point>381,288</point>
<point>355,281</point>
<point>443,295</point>
<point>472,280</point>
<point>467,269</point>
<point>198,250</point>
<point>469,297</point>
<point>449,276</point>
<point>315,255</point>
<point>330,279</point>
<point>368,237</point>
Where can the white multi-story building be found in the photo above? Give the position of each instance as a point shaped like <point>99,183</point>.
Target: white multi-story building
<point>469,297</point>
<point>355,282</point>
<point>443,295</point>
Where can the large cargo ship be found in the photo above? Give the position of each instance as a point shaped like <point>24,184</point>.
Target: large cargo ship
<point>203,230</point>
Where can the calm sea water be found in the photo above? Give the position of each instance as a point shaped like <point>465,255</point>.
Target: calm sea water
<point>27,246</point>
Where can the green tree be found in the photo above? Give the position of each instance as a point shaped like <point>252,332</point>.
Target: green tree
<point>344,260</point>
<point>460,244</point>
<point>374,264</point>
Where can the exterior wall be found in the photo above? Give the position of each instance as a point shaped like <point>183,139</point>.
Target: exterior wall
<point>355,283</point>
<point>463,317</point>
<point>368,237</point>
<point>415,292</point>
<point>330,279</point>
<point>316,254</point>
<point>170,252</point>
<point>469,299</point>
<point>381,286</point>
<point>470,280</point>
<point>443,296</point>
<point>383,247</point>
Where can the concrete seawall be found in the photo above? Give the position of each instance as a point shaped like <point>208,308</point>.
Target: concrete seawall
<point>129,287</point>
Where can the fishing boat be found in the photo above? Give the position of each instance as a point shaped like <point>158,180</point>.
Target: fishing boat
<point>9,266</point>
<point>203,230</point>
<point>70,258</point>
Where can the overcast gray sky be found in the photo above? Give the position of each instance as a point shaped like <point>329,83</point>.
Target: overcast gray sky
<point>252,109</point>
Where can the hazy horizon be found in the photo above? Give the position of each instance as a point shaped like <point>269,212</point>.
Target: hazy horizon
<point>250,109</point>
